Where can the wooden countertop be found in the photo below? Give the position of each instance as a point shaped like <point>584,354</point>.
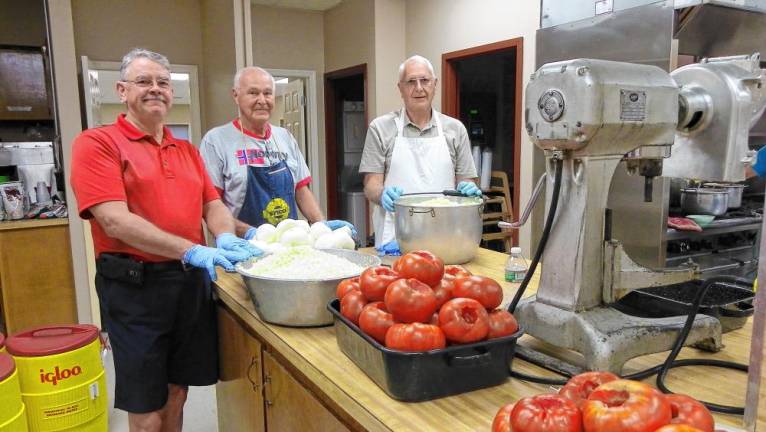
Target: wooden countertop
<point>314,357</point>
<point>32,223</point>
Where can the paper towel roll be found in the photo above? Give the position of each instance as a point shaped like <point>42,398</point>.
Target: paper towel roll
<point>486,168</point>
<point>476,153</point>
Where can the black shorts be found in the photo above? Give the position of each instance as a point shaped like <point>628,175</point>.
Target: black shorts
<point>161,320</point>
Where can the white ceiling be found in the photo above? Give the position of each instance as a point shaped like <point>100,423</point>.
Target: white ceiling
<point>317,5</point>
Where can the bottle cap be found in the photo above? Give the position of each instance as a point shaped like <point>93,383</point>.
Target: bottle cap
<point>515,250</point>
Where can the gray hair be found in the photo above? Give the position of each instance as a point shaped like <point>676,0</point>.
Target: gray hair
<point>419,59</point>
<point>238,76</point>
<point>137,53</point>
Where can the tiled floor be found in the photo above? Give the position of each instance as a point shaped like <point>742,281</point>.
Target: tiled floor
<point>200,412</point>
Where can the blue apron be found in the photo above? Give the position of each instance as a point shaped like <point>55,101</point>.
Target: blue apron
<point>270,195</point>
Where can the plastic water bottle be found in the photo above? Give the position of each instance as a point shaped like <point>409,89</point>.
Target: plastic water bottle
<point>516,266</point>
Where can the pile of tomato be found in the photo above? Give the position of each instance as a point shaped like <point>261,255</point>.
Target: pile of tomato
<point>602,402</point>
<point>421,305</point>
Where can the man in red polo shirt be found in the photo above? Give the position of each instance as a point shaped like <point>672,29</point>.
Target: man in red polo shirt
<point>146,194</point>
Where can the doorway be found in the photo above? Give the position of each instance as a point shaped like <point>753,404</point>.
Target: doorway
<point>482,86</point>
<point>345,129</point>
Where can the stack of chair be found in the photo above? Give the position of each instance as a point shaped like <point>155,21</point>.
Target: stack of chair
<point>497,208</point>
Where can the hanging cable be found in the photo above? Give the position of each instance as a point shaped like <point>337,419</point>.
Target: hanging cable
<point>558,162</point>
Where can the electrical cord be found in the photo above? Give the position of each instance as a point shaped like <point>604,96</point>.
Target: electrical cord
<point>544,239</point>
<point>660,370</point>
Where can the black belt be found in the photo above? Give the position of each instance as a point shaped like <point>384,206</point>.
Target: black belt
<point>165,266</point>
<point>129,269</point>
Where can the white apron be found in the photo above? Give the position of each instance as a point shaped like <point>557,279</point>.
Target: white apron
<point>417,165</point>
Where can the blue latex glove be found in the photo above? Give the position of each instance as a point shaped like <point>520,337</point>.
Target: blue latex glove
<point>760,162</point>
<point>207,258</point>
<point>390,194</point>
<point>337,223</point>
<point>250,233</point>
<point>390,248</point>
<point>468,188</point>
<point>237,249</point>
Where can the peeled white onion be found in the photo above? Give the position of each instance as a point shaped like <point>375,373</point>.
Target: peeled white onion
<point>318,229</point>
<point>325,241</point>
<point>304,225</point>
<point>342,239</point>
<point>345,229</point>
<point>295,236</point>
<point>265,232</point>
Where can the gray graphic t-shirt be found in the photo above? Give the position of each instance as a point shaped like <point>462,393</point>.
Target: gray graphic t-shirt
<point>228,152</point>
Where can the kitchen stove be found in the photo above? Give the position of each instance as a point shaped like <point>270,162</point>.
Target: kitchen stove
<point>728,245</point>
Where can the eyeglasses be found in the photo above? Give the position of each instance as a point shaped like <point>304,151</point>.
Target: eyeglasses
<point>144,82</point>
<point>413,82</point>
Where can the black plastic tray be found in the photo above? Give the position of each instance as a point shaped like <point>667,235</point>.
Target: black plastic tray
<point>729,303</point>
<point>413,377</point>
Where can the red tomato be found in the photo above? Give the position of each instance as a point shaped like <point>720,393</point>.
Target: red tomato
<point>351,305</point>
<point>626,406</point>
<point>678,428</point>
<point>546,413</point>
<point>502,421</point>
<point>410,300</point>
<point>464,320</point>
<point>482,289</point>
<point>501,323</point>
<point>579,387</point>
<point>687,410</point>
<point>374,281</point>
<point>375,321</point>
<point>345,286</point>
<point>443,291</point>
<point>455,271</point>
<point>421,265</point>
<point>415,337</point>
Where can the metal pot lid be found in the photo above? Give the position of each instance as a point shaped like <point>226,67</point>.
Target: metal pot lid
<point>705,191</point>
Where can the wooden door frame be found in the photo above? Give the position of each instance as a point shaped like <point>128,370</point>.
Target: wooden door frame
<point>451,100</point>
<point>331,134</point>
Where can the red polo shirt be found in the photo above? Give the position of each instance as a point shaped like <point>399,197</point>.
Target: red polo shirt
<point>165,183</point>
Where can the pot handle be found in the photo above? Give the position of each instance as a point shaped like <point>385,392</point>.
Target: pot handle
<point>431,210</point>
<point>471,360</point>
<point>744,310</point>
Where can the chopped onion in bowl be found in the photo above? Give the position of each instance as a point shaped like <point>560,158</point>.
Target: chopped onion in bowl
<point>302,262</point>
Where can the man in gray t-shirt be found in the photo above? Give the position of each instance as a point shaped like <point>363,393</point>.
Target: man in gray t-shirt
<point>257,167</point>
<point>414,149</point>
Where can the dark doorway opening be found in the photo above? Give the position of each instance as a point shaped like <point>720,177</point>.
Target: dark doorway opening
<point>482,87</point>
<point>345,130</point>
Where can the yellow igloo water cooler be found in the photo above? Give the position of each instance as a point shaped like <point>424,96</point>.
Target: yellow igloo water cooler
<point>62,378</point>
<point>12,414</point>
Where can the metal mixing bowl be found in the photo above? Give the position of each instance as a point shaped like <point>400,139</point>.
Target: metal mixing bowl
<point>706,201</point>
<point>298,302</point>
<point>451,232</point>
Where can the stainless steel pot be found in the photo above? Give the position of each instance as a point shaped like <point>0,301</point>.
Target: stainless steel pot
<point>452,231</point>
<point>709,201</point>
<point>298,302</point>
<point>734,190</point>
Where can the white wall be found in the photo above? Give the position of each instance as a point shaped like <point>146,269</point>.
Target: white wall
<point>294,39</point>
<point>390,43</point>
<point>434,29</point>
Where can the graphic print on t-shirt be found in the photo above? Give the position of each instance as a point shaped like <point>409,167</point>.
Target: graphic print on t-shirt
<point>258,157</point>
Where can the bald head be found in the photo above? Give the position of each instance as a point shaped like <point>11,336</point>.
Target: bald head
<point>245,71</point>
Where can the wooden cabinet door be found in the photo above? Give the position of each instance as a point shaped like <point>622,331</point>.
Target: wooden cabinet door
<point>289,406</point>
<point>239,391</point>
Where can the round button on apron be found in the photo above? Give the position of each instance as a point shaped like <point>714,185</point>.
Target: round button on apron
<point>62,377</point>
